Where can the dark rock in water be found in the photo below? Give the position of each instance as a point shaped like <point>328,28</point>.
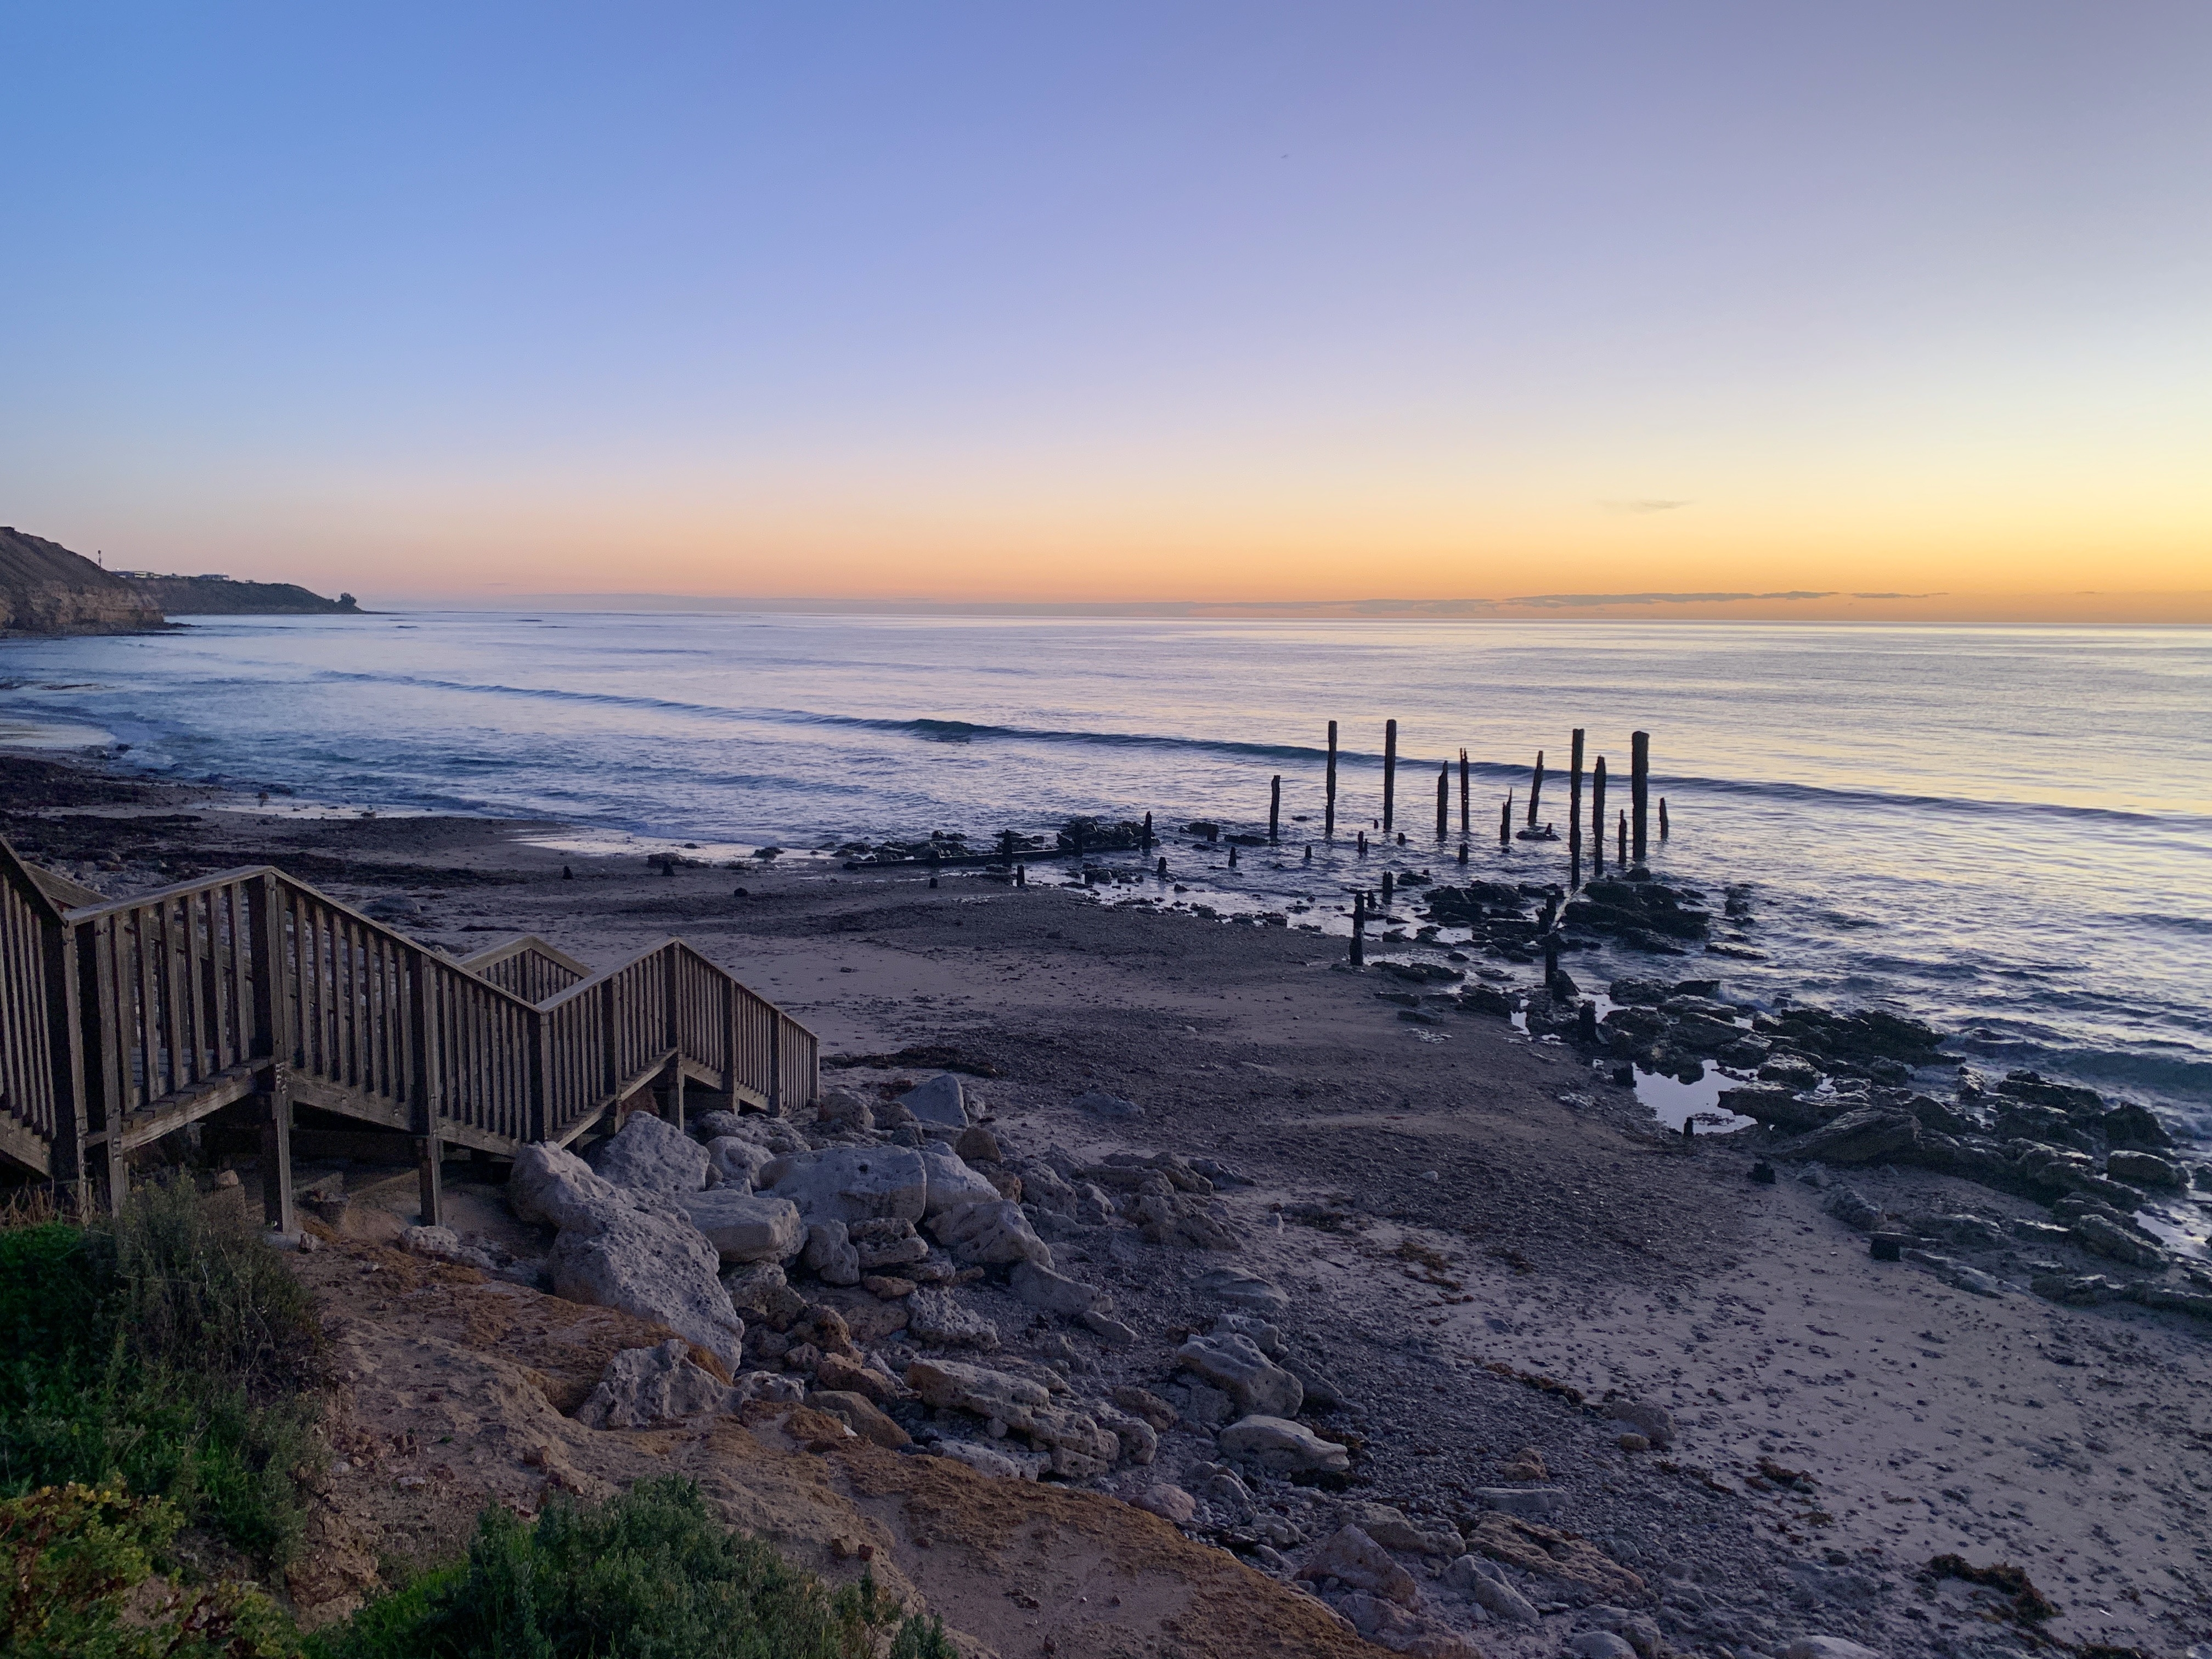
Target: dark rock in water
<point>1854,1039</point>
<point>1703,1034</point>
<point>1636,1024</point>
<point>1639,993</point>
<point>1791,1070</point>
<point>2034,1087</point>
<point>1635,910</point>
<point>2146,1170</point>
<point>2132,1126</point>
<point>1865,1135</point>
<point>1097,835</point>
<point>1943,1119</point>
<point>1485,1000</point>
<point>2024,1120</point>
<point>1420,973</point>
<point>1778,1107</point>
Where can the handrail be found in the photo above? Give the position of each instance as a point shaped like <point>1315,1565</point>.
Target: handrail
<point>142,1013</point>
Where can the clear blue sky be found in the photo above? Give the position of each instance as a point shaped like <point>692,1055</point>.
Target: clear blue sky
<point>1244,299</point>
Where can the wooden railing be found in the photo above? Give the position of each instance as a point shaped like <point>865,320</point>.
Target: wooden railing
<point>121,1020</point>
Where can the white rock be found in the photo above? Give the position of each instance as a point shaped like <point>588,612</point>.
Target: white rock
<point>656,1266</point>
<point>831,1253</point>
<point>951,1183</point>
<point>984,1460</point>
<point>939,1101</point>
<point>1041,1287</point>
<point>652,1155</point>
<point>1392,1528</point>
<point>1234,1365</point>
<point>1350,1555</point>
<point>935,1320</point>
<point>644,1386</point>
<point>744,1226</point>
<point>1285,1447</point>
<point>775,1133</point>
<point>444,1245</point>
<point>850,1183</point>
<point>1171,1504</point>
<point>733,1161</point>
<point>1265,1337</point>
<point>551,1185</point>
<point>991,1234</point>
<point>1076,1443</point>
<point>1099,1103</point>
<point>1484,1584</point>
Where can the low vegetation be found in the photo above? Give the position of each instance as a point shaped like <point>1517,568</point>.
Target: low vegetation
<point>157,1372</point>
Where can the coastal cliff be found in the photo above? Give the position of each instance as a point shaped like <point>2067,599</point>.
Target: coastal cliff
<point>46,589</point>
<point>220,596</point>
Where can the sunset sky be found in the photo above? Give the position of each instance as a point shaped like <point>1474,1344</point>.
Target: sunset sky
<point>475,302</point>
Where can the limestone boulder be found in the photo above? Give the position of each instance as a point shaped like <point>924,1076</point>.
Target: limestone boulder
<point>1394,1529</point>
<point>1074,1440</point>
<point>652,1156</point>
<point>1283,1446</point>
<point>444,1244</point>
<point>990,1234</point>
<point>1654,1422</point>
<point>1530,1502</point>
<point>1866,1135</point>
<point>850,1183</point>
<point>1485,1584</point>
<point>1241,1290</point>
<point>656,1266</point>
<point>775,1133</point>
<point>1351,1557</point>
<point>1171,1504</point>
<point>744,1226</point>
<point>935,1319</point>
<point>1042,1288</point>
<point>831,1254</point>
<point>644,1386</point>
<point>1234,1364</point>
<point>938,1102</point>
<point>761,1291</point>
<point>861,1414</point>
<point>733,1161</point>
<point>950,1182</point>
<point>552,1187</point>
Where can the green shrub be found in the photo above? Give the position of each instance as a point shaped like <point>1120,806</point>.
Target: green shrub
<point>81,1584</point>
<point>166,1349</point>
<point>649,1574</point>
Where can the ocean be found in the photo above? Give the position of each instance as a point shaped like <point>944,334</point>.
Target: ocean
<point>2006,831</point>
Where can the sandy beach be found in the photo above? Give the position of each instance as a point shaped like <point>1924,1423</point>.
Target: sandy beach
<point>1484,1248</point>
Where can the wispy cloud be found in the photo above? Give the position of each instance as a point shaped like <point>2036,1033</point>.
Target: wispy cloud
<point>1568,601</point>
<point>1642,504</point>
<point>1897,596</point>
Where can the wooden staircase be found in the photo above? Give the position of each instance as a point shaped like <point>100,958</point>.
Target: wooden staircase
<point>123,1020</point>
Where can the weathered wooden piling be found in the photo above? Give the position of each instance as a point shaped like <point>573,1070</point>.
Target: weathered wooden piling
<point>1362,843</point>
<point>1463,821</point>
<point>1639,783</point>
<point>1390,774</point>
<point>1162,870</point>
<point>1148,832</point>
<point>1505,821</point>
<point>1575,789</point>
<point>1443,801</point>
<point>1462,851</point>
<point>1360,930</point>
<point>1535,788</point>
<point>1663,817</point>
<point>1275,808</point>
<point>1021,875</point>
<point>1389,890</point>
<point>1624,840</point>
<point>1328,790</point>
<point>1597,818</point>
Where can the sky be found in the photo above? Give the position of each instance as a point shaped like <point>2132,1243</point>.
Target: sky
<point>1006,303</point>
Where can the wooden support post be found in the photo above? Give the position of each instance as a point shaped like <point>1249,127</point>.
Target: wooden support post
<point>1362,843</point>
<point>1623,859</point>
<point>1597,818</point>
<point>431,1179</point>
<point>1021,875</point>
<point>776,1066</point>
<point>1464,824</point>
<point>1148,832</point>
<point>1462,851</point>
<point>676,1092</point>
<point>1390,774</point>
<point>1505,821</point>
<point>1535,788</point>
<point>1551,958</point>
<point>1328,790</point>
<point>1663,817</point>
<point>1444,801</point>
<point>1360,930</point>
<point>275,1108</point>
<point>1389,890</point>
<point>1639,783</point>
<point>1275,808</point>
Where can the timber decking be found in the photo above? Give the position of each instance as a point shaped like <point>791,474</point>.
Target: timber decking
<point>123,1020</point>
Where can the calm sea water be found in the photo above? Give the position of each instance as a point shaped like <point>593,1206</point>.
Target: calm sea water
<point>2007,831</point>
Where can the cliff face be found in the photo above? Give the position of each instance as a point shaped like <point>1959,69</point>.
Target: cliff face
<point>46,589</point>
<point>219,596</point>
